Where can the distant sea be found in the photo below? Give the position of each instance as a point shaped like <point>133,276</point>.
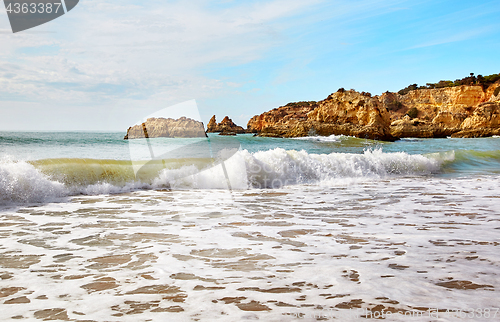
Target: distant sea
<point>97,228</point>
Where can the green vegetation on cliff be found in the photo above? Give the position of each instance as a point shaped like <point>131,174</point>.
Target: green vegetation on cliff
<point>301,103</point>
<point>469,80</point>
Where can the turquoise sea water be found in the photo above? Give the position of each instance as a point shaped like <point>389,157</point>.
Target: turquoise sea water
<point>68,163</point>
<point>45,145</point>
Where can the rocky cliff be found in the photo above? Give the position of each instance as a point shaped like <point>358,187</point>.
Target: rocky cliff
<point>465,110</point>
<point>280,121</point>
<point>454,111</point>
<point>343,112</point>
<point>224,127</point>
<point>169,128</point>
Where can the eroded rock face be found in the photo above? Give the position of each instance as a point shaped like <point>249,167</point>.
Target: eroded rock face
<point>353,114</point>
<point>455,99</point>
<point>461,110</point>
<point>160,127</point>
<point>445,112</point>
<point>212,124</point>
<point>226,126</point>
<point>486,115</point>
<point>343,112</point>
<point>281,120</point>
<point>485,121</point>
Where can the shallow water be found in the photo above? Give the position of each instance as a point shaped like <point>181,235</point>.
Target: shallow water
<point>403,245</point>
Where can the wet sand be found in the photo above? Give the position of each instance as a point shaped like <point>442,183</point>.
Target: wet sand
<point>405,246</point>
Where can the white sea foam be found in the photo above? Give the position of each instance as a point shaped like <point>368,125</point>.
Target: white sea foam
<point>411,139</point>
<point>229,174</point>
<point>276,168</point>
<point>22,182</point>
<point>292,254</point>
<point>331,138</point>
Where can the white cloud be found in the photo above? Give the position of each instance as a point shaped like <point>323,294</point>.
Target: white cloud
<point>135,52</point>
<point>137,47</point>
<point>110,56</point>
<point>452,36</point>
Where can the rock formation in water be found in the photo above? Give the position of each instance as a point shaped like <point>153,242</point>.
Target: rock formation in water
<point>460,111</point>
<point>225,127</point>
<point>169,128</point>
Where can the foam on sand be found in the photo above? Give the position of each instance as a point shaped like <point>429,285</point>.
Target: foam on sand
<point>404,245</point>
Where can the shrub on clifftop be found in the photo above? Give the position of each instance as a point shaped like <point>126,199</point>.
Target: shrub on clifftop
<point>469,80</point>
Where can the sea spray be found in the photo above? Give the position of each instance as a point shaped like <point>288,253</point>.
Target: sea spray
<point>21,182</point>
<point>277,168</point>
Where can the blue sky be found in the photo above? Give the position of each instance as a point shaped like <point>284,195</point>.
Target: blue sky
<point>108,63</point>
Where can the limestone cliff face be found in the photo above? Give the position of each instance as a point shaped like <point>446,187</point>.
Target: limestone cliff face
<point>170,128</point>
<point>493,92</point>
<point>225,126</point>
<point>343,112</point>
<point>444,99</point>
<point>353,114</point>
<point>441,112</point>
<point>469,110</point>
<point>485,121</point>
<point>280,120</point>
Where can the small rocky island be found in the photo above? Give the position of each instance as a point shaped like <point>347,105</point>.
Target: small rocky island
<point>225,127</point>
<point>167,128</point>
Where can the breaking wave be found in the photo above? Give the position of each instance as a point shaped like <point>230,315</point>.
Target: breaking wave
<point>50,179</point>
<point>21,182</point>
<point>331,138</point>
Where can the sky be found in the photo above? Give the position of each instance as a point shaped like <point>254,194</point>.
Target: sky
<point>109,63</point>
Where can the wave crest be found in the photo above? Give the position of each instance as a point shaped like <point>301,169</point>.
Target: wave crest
<point>276,168</point>
<point>21,182</point>
<point>46,180</point>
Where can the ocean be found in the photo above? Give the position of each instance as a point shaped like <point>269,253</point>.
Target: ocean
<point>97,228</point>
